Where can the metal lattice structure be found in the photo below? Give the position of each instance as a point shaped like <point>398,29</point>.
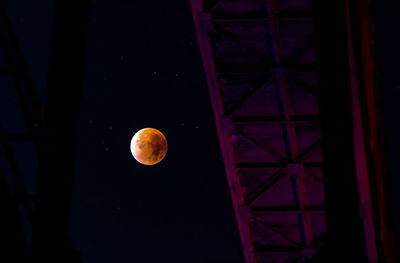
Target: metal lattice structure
<point>263,69</point>
<point>17,135</point>
<point>35,226</point>
<point>260,62</point>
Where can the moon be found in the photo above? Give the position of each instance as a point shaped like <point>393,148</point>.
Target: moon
<point>149,146</point>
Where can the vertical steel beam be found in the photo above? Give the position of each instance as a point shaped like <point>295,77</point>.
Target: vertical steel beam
<point>370,90</point>
<point>224,126</point>
<point>50,237</point>
<point>13,243</point>
<point>366,212</point>
<point>344,236</point>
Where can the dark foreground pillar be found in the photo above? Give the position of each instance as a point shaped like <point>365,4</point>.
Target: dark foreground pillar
<point>50,240</point>
<point>344,240</point>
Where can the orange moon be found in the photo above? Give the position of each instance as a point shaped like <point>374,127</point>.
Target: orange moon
<point>149,146</point>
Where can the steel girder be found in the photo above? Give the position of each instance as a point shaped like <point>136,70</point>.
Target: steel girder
<point>260,63</point>
<point>263,71</point>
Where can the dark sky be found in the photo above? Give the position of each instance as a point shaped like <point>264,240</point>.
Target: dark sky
<point>143,69</point>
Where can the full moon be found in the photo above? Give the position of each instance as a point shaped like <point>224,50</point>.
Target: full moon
<point>149,146</point>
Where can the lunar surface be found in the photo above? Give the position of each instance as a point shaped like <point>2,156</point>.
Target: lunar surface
<point>149,146</point>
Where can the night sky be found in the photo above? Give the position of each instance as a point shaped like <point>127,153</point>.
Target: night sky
<point>143,69</point>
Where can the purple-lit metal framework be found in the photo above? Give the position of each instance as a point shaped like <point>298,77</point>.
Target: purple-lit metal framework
<point>260,61</point>
<point>262,69</point>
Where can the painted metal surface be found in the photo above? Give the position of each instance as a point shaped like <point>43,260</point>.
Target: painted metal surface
<point>260,62</point>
